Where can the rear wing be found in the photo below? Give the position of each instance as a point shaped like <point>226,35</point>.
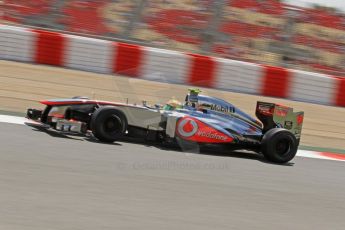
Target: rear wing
<point>279,116</point>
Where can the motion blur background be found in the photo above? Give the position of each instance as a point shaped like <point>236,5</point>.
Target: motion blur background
<point>262,31</point>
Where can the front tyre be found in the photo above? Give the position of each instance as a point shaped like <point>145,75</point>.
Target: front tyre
<point>279,145</point>
<point>108,124</point>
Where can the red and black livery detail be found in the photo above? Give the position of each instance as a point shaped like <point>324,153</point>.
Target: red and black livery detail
<point>192,129</point>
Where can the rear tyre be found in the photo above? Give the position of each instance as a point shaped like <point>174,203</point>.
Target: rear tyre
<point>279,145</point>
<point>108,124</point>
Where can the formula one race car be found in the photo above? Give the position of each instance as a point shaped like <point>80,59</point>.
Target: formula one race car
<point>201,120</point>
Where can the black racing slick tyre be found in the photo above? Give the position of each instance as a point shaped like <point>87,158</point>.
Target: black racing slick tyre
<point>108,124</point>
<point>279,145</point>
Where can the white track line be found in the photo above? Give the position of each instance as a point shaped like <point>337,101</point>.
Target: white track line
<point>13,119</point>
<point>300,153</point>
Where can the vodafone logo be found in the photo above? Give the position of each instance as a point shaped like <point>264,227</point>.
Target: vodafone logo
<point>194,130</point>
<point>187,127</point>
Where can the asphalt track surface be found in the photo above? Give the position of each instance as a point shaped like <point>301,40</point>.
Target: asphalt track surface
<point>51,181</point>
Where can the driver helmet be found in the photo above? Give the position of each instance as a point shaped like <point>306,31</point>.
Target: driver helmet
<point>172,104</point>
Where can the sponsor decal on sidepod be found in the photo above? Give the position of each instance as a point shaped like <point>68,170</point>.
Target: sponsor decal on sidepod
<point>192,129</point>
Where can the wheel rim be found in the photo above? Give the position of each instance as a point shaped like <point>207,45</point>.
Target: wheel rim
<point>112,125</point>
<point>283,147</point>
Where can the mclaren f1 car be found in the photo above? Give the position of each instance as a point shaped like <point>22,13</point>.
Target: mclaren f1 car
<point>201,120</point>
